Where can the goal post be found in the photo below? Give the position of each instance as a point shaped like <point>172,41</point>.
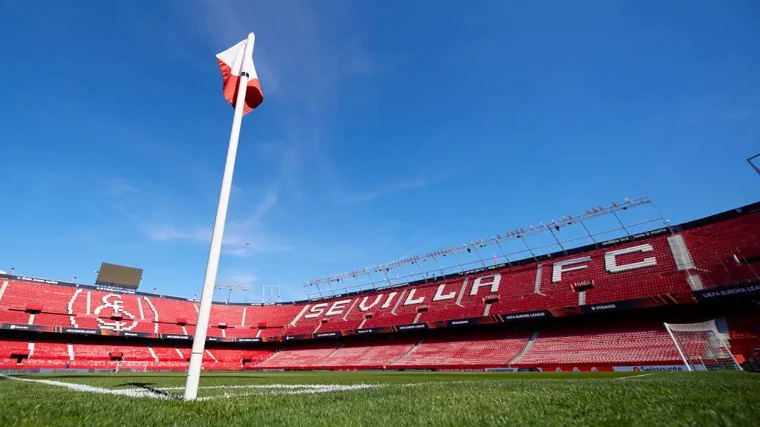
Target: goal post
<point>702,347</point>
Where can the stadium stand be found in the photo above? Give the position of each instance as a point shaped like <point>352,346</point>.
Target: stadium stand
<point>476,350</point>
<point>377,354</point>
<point>300,356</point>
<point>44,323</point>
<point>50,350</point>
<point>623,343</point>
<point>13,316</point>
<point>166,353</point>
<point>744,337</point>
<point>13,349</point>
<point>639,344</point>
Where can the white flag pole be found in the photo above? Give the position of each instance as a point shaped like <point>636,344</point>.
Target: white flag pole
<point>209,281</point>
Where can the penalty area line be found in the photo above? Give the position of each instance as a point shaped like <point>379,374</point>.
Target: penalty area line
<point>633,376</point>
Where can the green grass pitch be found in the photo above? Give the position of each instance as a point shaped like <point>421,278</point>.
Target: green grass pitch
<point>384,399</point>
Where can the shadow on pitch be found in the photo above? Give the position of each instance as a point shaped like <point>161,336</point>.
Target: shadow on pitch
<point>150,387</point>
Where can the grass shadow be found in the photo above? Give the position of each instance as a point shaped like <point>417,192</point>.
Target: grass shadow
<point>150,387</point>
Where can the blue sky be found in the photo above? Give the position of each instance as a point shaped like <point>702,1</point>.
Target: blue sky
<point>388,128</point>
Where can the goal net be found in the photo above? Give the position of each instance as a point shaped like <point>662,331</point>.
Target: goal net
<point>702,347</point>
<point>131,366</point>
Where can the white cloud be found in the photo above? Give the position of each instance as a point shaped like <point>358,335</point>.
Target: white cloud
<point>269,202</point>
<point>169,232</point>
<point>239,240</point>
<point>386,190</point>
<point>119,187</point>
<point>242,237</point>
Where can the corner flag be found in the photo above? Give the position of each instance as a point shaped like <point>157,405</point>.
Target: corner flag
<point>234,63</point>
<point>242,90</point>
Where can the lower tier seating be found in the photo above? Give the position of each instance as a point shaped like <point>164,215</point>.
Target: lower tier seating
<point>490,349</point>
<point>618,342</point>
<point>376,354</point>
<point>644,343</point>
<point>298,356</point>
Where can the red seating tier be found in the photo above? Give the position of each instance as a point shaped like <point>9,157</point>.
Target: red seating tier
<point>602,344</point>
<point>483,350</point>
<point>299,356</point>
<point>50,350</point>
<point>719,253</point>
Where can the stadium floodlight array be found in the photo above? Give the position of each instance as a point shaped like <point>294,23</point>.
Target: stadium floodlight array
<point>752,162</point>
<point>702,347</point>
<point>472,249</point>
<point>230,288</point>
<point>268,294</point>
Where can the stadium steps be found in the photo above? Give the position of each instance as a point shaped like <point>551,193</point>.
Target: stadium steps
<point>2,289</point>
<point>328,356</point>
<point>528,346</point>
<point>410,351</point>
<point>268,358</point>
<point>152,353</point>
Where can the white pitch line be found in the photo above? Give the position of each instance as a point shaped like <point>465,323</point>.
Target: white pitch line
<point>633,376</point>
<point>293,392</point>
<point>285,386</point>
<point>434,382</point>
<point>264,389</point>
<point>288,389</point>
<point>132,392</point>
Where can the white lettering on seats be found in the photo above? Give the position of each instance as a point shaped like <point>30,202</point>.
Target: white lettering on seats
<point>118,308</point>
<point>337,307</point>
<point>363,303</point>
<point>70,308</point>
<point>389,300</point>
<point>611,265</point>
<point>298,316</point>
<point>481,282</point>
<point>557,268</point>
<point>410,298</point>
<point>439,296</point>
<point>316,310</point>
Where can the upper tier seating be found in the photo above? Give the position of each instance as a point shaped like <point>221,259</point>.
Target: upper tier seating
<point>13,316</point>
<point>51,298</point>
<point>716,248</point>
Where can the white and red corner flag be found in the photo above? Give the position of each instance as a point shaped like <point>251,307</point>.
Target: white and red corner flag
<point>233,65</point>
